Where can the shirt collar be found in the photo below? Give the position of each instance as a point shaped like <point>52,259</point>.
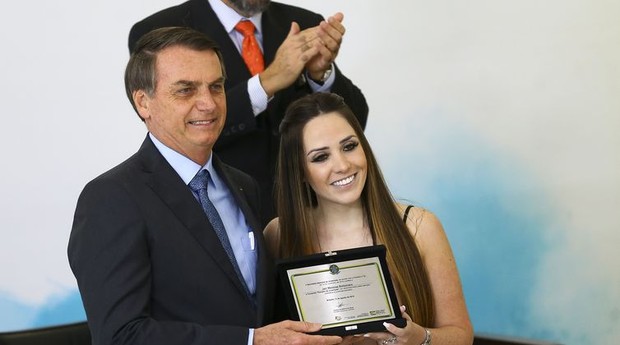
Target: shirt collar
<point>229,18</point>
<point>185,167</point>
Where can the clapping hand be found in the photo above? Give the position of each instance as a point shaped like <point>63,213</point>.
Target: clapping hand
<point>330,33</point>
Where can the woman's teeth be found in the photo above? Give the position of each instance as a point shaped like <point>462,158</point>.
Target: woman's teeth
<point>344,181</point>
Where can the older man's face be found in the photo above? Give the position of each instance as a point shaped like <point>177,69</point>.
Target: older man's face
<point>187,111</point>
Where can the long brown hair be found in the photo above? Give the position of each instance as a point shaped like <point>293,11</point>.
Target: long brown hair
<point>295,201</point>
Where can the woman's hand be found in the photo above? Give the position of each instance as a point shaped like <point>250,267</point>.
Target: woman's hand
<point>411,334</point>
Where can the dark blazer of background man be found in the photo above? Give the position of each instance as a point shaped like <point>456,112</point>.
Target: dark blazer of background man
<point>149,266</point>
<point>250,141</point>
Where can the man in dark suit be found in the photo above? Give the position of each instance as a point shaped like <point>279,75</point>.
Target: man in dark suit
<point>257,102</point>
<point>157,259</point>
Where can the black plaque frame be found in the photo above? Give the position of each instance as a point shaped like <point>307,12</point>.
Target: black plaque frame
<point>335,257</point>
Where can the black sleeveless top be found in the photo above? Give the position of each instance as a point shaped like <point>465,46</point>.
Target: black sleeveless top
<point>407,213</point>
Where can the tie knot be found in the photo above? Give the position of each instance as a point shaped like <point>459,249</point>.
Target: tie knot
<point>200,181</point>
<point>245,27</point>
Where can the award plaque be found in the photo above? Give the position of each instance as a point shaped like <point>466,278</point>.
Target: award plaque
<point>347,291</point>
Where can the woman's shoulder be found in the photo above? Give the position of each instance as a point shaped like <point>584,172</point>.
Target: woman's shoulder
<point>272,235</point>
<point>412,213</point>
<point>273,225</point>
<point>418,219</point>
<point>272,230</point>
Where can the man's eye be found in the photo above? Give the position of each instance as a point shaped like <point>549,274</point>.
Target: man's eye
<point>217,88</point>
<point>350,146</point>
<point>185,91</point>
<point>319,158</point>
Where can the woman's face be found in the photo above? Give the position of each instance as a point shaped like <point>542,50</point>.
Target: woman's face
<point>334,159</point>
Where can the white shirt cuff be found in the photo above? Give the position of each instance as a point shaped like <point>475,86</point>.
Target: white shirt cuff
<point>258,96</point>
<point>327,85</point>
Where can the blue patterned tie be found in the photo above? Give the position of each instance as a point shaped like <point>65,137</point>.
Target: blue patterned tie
<point>199,185</point>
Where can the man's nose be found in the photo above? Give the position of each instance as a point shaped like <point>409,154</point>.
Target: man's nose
<point>205,101</point>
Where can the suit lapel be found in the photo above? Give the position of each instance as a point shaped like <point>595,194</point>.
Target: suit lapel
<point>167,184</point>
<point>273,34</point>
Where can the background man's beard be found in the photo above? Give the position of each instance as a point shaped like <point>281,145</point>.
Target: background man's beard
<point>249,8</point>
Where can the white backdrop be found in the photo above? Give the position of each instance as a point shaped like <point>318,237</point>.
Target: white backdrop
<point>500,116</point>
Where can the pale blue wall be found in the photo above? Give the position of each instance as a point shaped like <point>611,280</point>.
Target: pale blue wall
<point>501,117</point>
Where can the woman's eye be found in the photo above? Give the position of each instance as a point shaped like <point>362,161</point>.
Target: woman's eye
<point>350,146</point>
<point>319,158</point>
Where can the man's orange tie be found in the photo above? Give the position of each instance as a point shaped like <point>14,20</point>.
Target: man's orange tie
<point>250,51</point>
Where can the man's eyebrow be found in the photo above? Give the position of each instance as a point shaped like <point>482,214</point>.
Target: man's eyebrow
<point>183,82</point>
<point>218,80</point>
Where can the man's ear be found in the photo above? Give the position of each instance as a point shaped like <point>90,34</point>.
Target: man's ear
<point>141,100</point>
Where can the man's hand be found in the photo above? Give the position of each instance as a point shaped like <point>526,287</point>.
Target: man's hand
<point>292,333</point>
<point>330,33</point>
<point>291,58</point>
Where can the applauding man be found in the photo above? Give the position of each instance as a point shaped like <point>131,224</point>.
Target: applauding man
<point>298,49</point>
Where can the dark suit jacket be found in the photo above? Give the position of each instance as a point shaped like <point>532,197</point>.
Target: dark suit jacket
<point>149,266</point>
<point>247,142</point>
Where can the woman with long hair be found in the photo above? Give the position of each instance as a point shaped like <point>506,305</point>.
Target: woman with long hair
<point>331,196</point>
